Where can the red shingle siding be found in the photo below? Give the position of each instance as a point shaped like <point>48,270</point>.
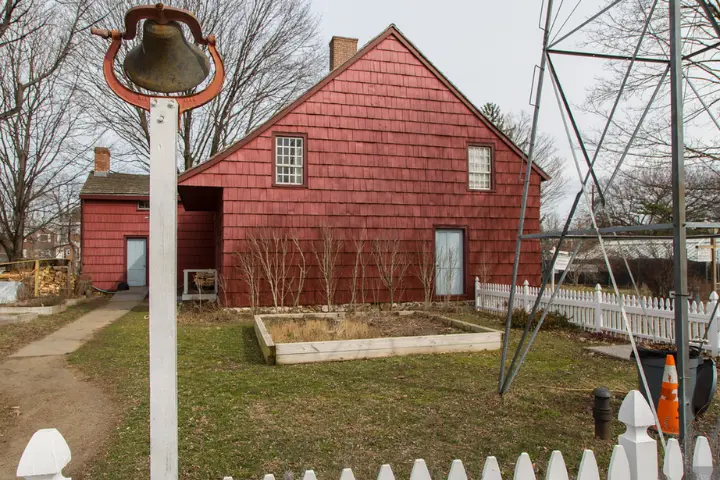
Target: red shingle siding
<point>387,151</point>
<point>108,223</point>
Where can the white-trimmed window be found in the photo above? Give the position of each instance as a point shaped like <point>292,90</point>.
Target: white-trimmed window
<point>479,168</point>
<point>143,205</point>
<point>289,161</point>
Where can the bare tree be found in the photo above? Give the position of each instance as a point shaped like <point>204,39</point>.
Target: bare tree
<point>44,133</point>
<point>248,265</point>
<point>392,264</point>
<point>424,269</point>
<point>359,269</point>
<point>518,128</point>
<point>37,39</point>
<point>67,223</point>
<point>327,252</point>
<point>271,51</point>
<point>617,32</point>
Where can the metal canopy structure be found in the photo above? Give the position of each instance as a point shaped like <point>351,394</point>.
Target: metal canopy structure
<point>677,230</point>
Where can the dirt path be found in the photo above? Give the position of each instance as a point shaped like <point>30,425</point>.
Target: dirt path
<point>38,390</point>
<point>42,392</point>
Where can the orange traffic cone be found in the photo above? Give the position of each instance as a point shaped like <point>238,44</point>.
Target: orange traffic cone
<point>668,405</point>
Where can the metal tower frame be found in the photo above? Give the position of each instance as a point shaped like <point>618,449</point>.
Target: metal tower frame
<point>679,227</point>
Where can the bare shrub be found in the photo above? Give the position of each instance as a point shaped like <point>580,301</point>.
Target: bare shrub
<point>424,269</point>
<point>248,265</point>
<point>449,262</point>
<point>276,252</point>
<point>327,252</point>
<point>359,269</point>
<point>391,263</point>
<point>302,270</point>
<point>222,287</point>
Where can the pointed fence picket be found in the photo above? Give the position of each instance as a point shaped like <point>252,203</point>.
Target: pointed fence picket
<point>634,458</point>
<point>650,318</point>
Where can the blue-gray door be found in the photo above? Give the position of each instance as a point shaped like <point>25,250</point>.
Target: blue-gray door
<point>136,262</point>
<point>449,262</point>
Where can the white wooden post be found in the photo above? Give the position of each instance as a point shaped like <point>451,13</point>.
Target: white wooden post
<point>526,296</point>
<point>163,290</point>
<point>641,450</point>
<point>714,333</point>
<point>477,293</point>
<point>598,308</point>
<point>45,456</point>
<point>702,459</point>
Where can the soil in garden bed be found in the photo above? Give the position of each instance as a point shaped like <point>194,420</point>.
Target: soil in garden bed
<point>284,330</point>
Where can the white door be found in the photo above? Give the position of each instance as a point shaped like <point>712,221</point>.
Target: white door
<point>136,262</point>
<point>449,262</point>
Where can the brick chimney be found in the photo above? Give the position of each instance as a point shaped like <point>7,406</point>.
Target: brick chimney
<point>102,161</point>
<point>341,49</point>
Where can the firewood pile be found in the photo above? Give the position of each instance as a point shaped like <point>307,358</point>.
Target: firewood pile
<point>53,281</point>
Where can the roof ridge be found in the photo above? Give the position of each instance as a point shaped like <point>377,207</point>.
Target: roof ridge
<point>391,29</point>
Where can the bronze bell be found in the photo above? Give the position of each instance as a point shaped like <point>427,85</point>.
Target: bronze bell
<point>164,61</point>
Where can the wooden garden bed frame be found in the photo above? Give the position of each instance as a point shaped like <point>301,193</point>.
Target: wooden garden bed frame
<point>477,339</point>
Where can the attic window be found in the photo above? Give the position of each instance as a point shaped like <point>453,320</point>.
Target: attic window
<point>143,205</point>
<point>290,160</point>
<point>479,167</point>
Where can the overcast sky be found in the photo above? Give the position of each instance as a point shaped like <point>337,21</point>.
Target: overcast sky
<point>486,48</point>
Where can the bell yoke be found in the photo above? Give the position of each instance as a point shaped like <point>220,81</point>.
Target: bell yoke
<point>164,62</point>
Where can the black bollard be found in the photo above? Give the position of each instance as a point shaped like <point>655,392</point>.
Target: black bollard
<point>602,413</point>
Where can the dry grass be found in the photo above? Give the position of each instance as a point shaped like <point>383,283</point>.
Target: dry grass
<point>199,313</point>
<point>312,330</point>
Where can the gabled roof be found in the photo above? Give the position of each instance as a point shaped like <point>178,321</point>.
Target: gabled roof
<point>116,184</point>
<point>391,30</point>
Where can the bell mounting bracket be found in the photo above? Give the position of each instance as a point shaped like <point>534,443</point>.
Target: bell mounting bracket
<point>162,15</point>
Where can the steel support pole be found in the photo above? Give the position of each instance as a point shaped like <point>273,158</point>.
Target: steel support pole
<point>163,290</point>
<point>526,190</point>
<point>679,227</point>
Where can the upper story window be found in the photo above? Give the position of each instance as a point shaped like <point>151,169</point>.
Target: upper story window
<point>143,205</point>
<point>289,160</point>
<point>479,168</point>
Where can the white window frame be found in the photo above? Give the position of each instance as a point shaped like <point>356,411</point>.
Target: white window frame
<point>480,166</point>
<point>141,202</point>
<point>289,160</point>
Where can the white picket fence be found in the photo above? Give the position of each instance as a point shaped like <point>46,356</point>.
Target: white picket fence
<point>634,458</point>
<point>650,318</point>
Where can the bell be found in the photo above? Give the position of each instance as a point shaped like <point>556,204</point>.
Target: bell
<point>164,61</point>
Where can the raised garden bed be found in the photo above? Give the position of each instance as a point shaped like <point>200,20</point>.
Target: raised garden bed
<point>38,308</point>
<point>323,337</point>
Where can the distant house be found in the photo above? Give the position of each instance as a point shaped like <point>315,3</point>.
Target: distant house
<point>59,239</point>
<point>383,146</point>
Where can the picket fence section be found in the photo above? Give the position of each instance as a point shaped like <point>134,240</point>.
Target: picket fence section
<point>634,458</point>
<point>650,318</point>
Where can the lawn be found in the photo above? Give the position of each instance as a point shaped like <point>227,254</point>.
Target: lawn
<point>14,336</point>
<point>243,418</point>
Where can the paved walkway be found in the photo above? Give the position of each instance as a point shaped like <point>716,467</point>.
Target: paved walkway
<point>616,351</point>
<point>72,336</point>
<point>37,385</point>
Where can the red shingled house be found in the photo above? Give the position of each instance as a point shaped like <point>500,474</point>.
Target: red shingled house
<point>383,144</point>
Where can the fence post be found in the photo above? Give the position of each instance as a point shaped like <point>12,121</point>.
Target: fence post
<point>598,308</point>
<point>714,333</point>
<point>45,455</point>
<point>477,293</point>
<point>641,450</point>
<point>526,296</point>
